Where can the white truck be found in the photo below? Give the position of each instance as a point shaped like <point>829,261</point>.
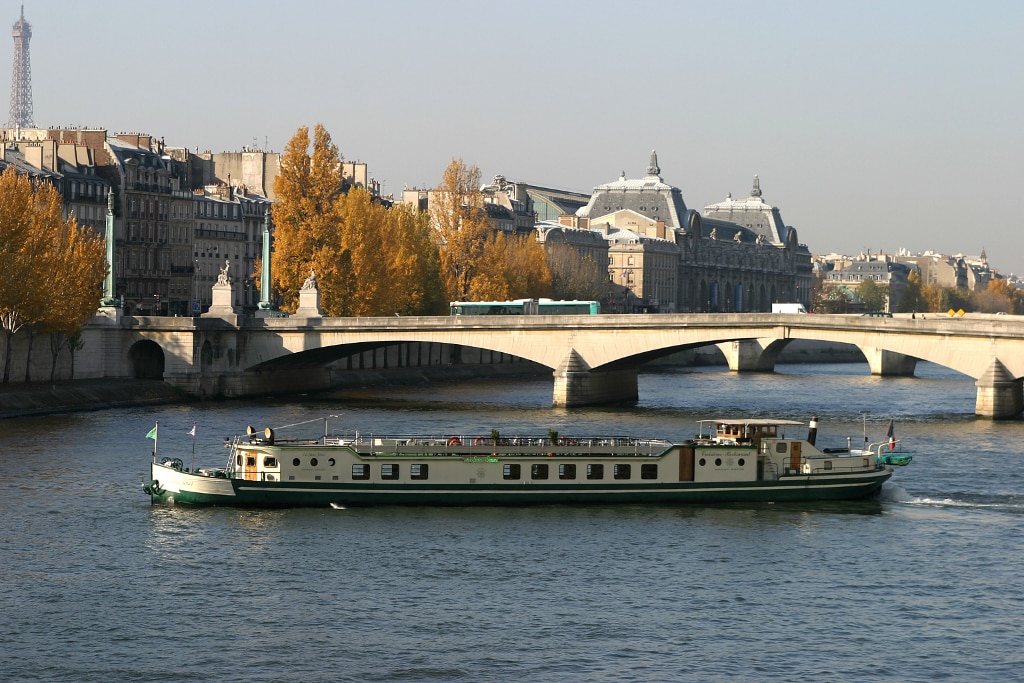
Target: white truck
<point>788,308</point>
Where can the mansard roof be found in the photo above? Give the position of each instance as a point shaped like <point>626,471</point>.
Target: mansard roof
<point>124,151</point>
<point>648,196</point>
<point>753,213</point>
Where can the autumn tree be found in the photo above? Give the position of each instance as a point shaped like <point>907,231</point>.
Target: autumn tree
<point>461,227</point>
<point>50,269</point>
<point>478,262</point>
<point>305,219</point>
<point>391,262</point>
<point>575,275</point>
<point>79,264</point>
<point>510,267</point>
<point>999,295</point>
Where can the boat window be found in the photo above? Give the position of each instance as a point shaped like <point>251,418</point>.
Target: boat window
<point>741,462</point>
<point>361,471</point>
<point>330,461</point>
<point>418,471</point>
<point>314,462</point>
<point>295,462</point>
<point>828,464</point>
<point>389,471</point>
<point>270,461</point>
<point>567,471</point>
<point>718,462</point>
<point>702,462</point>
<point>595,471</point>
<point>780,447</point>
<point>622,471</point>
<point>510,471</point>
<point>238,459</point>
<point>250,461</point>
<point>649,471</point>
<point>539,471</point>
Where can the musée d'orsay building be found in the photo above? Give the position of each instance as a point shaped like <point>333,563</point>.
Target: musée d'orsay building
<point>661,256</point>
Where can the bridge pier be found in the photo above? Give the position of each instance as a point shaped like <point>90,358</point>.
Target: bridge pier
<point>889,363</point>
<point>577,385</point>
<point>752,355</point>
<point>999,396</point>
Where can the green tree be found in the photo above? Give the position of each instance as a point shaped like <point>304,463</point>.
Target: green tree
<point>873,295</point>
<point>913,298</point>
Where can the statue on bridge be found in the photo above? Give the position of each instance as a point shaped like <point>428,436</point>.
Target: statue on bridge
<point>310,282</point>
<point>223,279</point>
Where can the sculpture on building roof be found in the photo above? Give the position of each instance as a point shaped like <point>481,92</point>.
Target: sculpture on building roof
<point>652,168</point>
<point>756,190</point>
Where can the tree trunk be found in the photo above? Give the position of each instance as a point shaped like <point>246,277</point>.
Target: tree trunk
<point>57,342</point>
<point>28,355</point>
<point>7,357</point>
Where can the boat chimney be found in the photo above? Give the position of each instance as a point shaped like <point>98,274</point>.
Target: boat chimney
<point>812,432</point>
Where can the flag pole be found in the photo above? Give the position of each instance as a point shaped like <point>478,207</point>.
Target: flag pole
<point>156,439</point>
<point>193,446</point>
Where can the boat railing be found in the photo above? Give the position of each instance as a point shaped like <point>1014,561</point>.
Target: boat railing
<point>476,445</point>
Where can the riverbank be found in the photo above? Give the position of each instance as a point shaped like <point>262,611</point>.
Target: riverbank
<point>44,398</point>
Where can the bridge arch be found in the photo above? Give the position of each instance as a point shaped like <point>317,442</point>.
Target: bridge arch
<point>147,360</point>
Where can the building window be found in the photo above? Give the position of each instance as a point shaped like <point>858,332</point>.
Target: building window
<point>567,471</point>
<point>361,471</point>
<point>510,471</point>
<point>539,471</point>
<point>595,471</point>
<point>389,471</point>
<point>418,471</point>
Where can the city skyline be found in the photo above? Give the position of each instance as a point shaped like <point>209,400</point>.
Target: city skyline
<point>872,126</point>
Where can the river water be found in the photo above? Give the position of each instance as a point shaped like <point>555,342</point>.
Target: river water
<point>923,584</point>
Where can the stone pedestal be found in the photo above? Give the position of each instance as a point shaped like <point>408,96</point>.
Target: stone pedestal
<point>223,298</point>
<point>309,303</point>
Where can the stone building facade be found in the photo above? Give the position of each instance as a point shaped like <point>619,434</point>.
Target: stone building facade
<point>721,264</point>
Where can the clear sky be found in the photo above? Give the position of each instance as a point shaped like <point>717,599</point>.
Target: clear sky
<point>871,124</point>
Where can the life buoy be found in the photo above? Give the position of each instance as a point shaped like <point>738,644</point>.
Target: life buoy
<point>455,441</point>
<point>567,442</point>
<point>480,441</point>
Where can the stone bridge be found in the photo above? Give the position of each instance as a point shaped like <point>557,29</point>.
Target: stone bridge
<point>594,359</point>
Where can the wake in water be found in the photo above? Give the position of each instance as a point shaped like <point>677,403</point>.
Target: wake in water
<point>898,494</point>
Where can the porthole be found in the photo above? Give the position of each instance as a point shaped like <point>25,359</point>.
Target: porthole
<point>330,461</point>
<point>702,462</point>
<point>741,462</point>
<point>295,462</point>
<point>314,462</point>
<point>718,462</point>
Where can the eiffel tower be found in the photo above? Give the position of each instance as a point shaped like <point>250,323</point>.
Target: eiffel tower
<point>21,76</point>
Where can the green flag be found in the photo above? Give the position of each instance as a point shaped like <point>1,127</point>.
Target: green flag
<point>152,433</point>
